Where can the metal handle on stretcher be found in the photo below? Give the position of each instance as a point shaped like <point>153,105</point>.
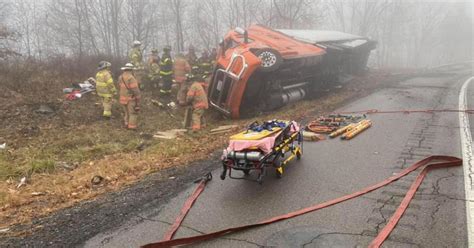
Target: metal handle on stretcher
<point>232,63</point>
<point>279,147</point>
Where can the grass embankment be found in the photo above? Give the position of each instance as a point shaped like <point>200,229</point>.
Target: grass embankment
<point>121,157</point>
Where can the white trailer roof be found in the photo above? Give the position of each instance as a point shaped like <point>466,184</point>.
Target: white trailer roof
<point>316,36</point>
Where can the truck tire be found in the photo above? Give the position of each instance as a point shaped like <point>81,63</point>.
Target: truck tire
<point>271,59</point>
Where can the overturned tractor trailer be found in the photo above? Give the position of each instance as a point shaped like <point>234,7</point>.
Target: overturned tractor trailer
<point>261,69</point>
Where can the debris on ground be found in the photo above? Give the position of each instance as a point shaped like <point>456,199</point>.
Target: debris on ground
<point>171,105</point>
<point>170,134</point>
<point>38,193</point>
<point>79,89</point>
<point>30,131</point>
<point>223,129</point>
<point>96,180</point>
<point>66,166</point>
<point>22,182</point>
<point>172,178</point>
<point>45,110</point>
<point>3,146</point>
<point>310,136</point>
<point>157,103</point>
<point>75,94</point>
<point>4,230</point>
<point>143,145</point>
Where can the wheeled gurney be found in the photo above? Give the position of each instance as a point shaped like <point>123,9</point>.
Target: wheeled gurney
<point>271,144</point>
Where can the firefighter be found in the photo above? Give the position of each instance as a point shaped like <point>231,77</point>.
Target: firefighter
<point>191,56</point>
<point>154,69</point>
<point>205,65</point>
<point>136,58</point>
<point>153,57</point>
<point>129,96</point>
<point>105,87</point>
<point>181,68</point>
<point>197,98</point>
<point>166,71</point>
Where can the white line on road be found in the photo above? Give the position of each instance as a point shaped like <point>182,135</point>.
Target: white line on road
<point>468,161</point>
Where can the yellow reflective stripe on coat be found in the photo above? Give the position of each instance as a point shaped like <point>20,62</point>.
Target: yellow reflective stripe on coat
<point>105,84</point>
<point>166,73</point>
<point>104,94</point>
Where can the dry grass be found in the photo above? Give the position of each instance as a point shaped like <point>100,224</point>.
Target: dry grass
<point>110,152</point>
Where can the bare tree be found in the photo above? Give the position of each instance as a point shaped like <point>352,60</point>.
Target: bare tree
<point>408,33</point>
<point>296,13</point>
<point>178,7</point>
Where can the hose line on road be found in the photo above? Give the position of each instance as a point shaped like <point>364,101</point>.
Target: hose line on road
<point>187,205</point>
<point>426,111</point>
<point>428,164</point>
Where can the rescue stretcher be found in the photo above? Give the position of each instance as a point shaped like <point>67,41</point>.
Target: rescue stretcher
<point>271,144</point>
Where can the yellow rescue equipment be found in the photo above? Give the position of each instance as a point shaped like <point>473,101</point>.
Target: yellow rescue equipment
<point>250,151</point>
<point>359,128</point>
<point>342,130</point>
<point>253,135</point>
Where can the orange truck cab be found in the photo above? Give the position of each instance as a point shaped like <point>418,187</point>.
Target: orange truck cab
<point>261,69</point>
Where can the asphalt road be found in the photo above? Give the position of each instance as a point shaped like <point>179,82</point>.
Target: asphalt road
<point>332,168</point>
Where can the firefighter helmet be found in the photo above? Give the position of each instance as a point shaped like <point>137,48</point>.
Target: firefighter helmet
<point>137,43</point>
<point>128,67</point>
<point>104,65</point>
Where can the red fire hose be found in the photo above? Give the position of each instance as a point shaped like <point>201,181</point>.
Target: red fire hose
<point>429,163</point>
<point>427,111</point>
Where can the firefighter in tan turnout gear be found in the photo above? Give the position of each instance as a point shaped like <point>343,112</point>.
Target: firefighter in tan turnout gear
<point>154,69</point>
<point>181,68</point>
<point>129,96</point>
<point>191,56</point>
<point>197,97</point>
<point>136,55</point>
<point>136,58</point>
<point>105,87</point>
<point>154,57</point>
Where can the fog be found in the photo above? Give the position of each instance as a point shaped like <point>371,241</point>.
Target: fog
<point>409,33</point>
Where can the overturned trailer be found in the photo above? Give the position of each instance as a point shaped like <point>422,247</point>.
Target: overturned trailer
<point>261,69</point>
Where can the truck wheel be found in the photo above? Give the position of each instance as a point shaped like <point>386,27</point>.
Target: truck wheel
<point>271,59</point>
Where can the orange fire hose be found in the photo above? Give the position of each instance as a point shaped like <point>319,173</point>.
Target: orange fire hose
<point>317,127</point>
<point>427,164</point>
<point>427,111</point>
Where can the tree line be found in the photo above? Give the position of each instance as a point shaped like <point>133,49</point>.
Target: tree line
<point>409,33</point>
